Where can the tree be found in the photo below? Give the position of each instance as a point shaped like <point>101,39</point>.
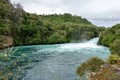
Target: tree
<point>18,6</point>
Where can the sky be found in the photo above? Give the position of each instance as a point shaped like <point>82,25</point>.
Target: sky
<point>99,12</point>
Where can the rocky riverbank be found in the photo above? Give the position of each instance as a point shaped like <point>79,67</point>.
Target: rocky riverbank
<point>107,72</point>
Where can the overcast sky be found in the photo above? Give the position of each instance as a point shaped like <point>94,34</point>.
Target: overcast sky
<point>99,12</point>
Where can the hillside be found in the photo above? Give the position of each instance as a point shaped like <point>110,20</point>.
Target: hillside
<point>31,29</point>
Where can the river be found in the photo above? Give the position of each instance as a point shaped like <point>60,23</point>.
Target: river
<point>60,61</point>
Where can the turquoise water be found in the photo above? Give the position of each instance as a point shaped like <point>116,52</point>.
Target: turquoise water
<point>60,61</point>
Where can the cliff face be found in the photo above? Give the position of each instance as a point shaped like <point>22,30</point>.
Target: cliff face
<point>5,41</point>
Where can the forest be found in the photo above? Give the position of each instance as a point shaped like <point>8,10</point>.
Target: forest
<point>31,29</point>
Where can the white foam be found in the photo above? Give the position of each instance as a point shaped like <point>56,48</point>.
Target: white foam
<point>73,46</point>
<point>90,44</point>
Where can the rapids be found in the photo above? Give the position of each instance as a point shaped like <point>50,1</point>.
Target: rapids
<point>60,61</point>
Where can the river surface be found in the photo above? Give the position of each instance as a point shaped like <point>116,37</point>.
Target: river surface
<point>60,61</point>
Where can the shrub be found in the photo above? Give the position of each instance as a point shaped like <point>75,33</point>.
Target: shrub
<point>113,59</point>
<point>91,65</point>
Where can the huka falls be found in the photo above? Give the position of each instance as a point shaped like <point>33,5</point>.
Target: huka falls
<point>59,40</point>
<point>60,61</point>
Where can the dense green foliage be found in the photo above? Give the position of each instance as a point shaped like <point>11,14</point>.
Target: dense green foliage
<point>90,65</point>
<point>111,38</point>
<point>28,29</point>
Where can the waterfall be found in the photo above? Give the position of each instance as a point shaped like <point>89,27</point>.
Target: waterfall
<point>89,44</point>
<point>94,41</point>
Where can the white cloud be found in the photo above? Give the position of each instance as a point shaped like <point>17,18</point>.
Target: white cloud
<point>99,12</point>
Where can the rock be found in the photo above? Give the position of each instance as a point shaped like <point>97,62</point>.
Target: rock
<point>5,41</point>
